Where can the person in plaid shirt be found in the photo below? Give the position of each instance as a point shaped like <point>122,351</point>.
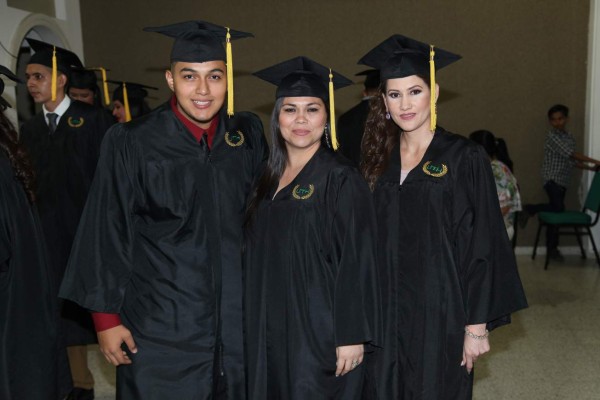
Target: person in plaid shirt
<point>559,159</point>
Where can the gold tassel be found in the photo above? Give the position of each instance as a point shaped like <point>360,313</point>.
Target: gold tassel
<point>334,142</point>
<point>105,86</point>
<point>126,100</point>
<point>229,74</point>
<point>54,74</point>
<point>432,85</point>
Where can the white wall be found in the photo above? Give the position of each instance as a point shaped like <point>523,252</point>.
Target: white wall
<point>592,120</point>
<point>64,30</point>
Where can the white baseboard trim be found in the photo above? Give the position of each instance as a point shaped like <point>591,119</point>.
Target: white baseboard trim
<point>541,250</point>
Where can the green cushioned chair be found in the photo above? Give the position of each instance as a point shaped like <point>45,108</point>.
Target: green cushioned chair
<point>576,223</point>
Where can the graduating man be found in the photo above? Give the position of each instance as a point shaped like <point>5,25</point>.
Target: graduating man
<point>158,253</point>
<point>351,124</point>
<point>63,142</point>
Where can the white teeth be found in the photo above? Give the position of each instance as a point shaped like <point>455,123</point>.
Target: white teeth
<point>201,103</point>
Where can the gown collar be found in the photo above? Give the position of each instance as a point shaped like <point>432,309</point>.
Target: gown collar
<point>435,148</point>
<point>304,174</point>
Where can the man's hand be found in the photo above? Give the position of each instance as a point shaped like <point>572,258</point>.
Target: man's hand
<point>110,342</point>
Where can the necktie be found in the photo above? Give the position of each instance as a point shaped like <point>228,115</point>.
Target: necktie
<point>52,117</point>
<point>204,141</point>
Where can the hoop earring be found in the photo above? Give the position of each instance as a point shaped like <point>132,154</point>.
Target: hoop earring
<point>387,115</point>
<point>326,134</point>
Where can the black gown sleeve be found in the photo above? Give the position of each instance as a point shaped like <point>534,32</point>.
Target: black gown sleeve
<point>101,259</point>
<point>4,234</point>
<point>486,261</point>
<point>262,152</point>
<point>102,123</point>
<point>357,308</point>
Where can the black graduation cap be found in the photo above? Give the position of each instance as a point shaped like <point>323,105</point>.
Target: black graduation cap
<point>65,59</point>
<point>82,78</point>
<point>85,78</point>
<point>201,41</point>
<point>198,41</point>
<point>8,73</point>
<point>55,58</point>
<point>130,91</point>
<point>372,78</point>
<point>300,77</point>
<point>303,77</point>
<point>400,56</point>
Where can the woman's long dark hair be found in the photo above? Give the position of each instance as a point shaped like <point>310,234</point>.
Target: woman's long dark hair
<point>19,160</point>
<point>494,147</point>
<point>275,165</point>
<point>380,137</point>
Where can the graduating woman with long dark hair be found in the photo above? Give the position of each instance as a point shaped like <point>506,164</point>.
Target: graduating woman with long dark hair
<point>28,302</point>
<point>447,268</point>
<point>311,300</point>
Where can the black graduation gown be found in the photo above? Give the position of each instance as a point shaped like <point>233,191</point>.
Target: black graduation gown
<point>311,283</point>
<point>446,262</point>
<point>64,163</point>
<point>160,243</point>
<point>351,126</point>
<point>28,316</point>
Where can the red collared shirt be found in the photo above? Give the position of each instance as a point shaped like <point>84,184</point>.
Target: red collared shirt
<point>193,128</point>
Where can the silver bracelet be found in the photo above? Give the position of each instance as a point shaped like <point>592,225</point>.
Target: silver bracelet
<point>477,337</point>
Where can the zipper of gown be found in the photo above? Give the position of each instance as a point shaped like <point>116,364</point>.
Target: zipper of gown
<point>219,341</point>
<point>218,344</point>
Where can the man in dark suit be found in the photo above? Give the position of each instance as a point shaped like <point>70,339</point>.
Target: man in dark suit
<point>351,124</point>
<point>63,142</point>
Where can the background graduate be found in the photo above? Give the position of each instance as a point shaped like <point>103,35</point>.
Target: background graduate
<point>83,86</point>
<point>351,124</point>
<point>447,267</point>
<point>312,300</point>
<point>135,106</point>
<point>158,252</point>
<point>63,142</point>
<point>28,304</point>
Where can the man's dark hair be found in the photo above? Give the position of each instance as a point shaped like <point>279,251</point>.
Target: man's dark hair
<point>558,108</point>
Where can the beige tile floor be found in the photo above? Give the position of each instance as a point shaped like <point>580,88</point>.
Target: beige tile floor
<point>550,351</point>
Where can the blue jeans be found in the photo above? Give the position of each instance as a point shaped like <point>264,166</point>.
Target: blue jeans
<point>556,203</point>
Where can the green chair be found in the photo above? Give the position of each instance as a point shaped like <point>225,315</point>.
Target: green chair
<point>576,223</point>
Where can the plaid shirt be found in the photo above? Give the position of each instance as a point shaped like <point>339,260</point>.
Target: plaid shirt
<point>557,165</point>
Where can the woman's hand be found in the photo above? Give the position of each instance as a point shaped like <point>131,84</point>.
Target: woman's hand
<point>110,342</point>
<point>473,348</point>
<point>348,358</point>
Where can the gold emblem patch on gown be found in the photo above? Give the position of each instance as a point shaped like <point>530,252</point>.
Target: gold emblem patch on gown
<point>234,139</point>
<point>303,193</point>
<point>437,171</point>
<point>75,122</point>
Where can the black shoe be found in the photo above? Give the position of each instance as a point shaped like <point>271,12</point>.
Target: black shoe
<point>554,255</point>
<point>80,394</point>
